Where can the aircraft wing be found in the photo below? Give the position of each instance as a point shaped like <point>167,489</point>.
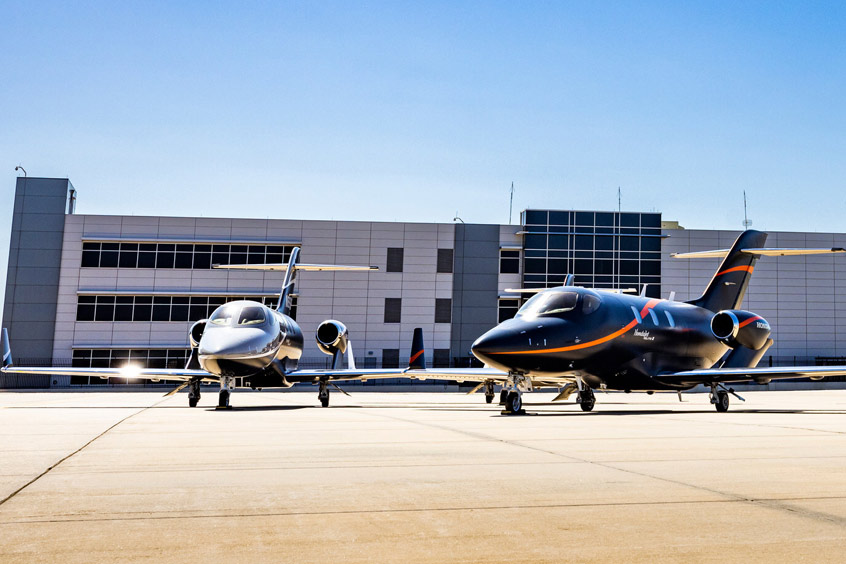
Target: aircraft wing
<point>705,376</point>
<point>131,372</point>
<point>460,374</point>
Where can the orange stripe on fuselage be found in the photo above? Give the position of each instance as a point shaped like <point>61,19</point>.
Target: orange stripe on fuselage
<point>750,320</point>
<point>737,269</point>
<point>649,305</point>
<point>416,356</point>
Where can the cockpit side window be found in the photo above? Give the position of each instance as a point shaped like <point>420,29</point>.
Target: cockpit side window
<point>223,315</point>
<point>590,303</point>
<point>251,315</point>
<point>549,303</point>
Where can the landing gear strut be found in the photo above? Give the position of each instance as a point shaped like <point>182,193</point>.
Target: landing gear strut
<point>489,391</point>
<point>323,393</point>
<point>226,383</point>
<point>193,393</point>
<point>513,390</point>
<point>720,399</point>
<point>586,399</point>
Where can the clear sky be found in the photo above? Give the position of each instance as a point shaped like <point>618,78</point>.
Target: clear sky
<point>415,111</point>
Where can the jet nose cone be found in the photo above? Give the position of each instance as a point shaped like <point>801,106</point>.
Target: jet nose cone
<point>230,342</point>
<point>494,341</point>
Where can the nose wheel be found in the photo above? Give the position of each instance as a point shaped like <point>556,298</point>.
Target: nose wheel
<point>226,384</point>
<point>489,391</point>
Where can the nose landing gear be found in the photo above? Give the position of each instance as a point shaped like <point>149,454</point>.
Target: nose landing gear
<point>586,399</point>
<point>226,384</point>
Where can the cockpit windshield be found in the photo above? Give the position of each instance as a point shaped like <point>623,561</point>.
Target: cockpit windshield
<point>223,315</point>
<point>251,316</point>
<point>558,303</point>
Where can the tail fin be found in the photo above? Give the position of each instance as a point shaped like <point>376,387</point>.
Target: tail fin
<point>6,348</point>
<point>727,287</point>
<point>417,359</point>
<point>284,305</point>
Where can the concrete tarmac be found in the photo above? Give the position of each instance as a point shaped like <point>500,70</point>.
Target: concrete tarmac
<point>378,477</point>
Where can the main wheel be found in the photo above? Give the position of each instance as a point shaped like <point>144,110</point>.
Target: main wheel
<point>192,402</point>
<point>223,398</point>
<point>503,397</point>
<point>513,402</point>
<point>722,404</point>
<point>324,400</point>
<point>587,400</point>
<point>489,398</point>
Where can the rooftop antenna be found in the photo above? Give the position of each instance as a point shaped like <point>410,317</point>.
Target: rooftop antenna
<point>746,221</point>
<point>510,203</point>
<point>619,200</point>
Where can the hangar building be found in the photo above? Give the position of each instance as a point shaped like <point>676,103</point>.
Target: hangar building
<point>104,290</point>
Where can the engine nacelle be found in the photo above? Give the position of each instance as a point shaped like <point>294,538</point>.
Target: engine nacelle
<point>735,327</point>
<point>196,333</point>
<point>332,337</point>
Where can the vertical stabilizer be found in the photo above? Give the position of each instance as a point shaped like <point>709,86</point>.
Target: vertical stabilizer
<point>284,305</point>
<point>727,287</point>
<point>417,359</point>
<point>6,348</point>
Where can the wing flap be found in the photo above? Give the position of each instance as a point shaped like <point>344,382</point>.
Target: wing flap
<point>708,375</point>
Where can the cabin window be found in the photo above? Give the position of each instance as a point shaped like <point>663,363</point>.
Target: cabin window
<point>251,316</point>
<point>223,315</point>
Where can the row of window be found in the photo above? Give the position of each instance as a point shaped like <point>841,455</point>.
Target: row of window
<point>160,308</point>
<point>179,255</point>
<point>393,310</point>
<point>193,308</point>
<point>591,242</point>
<point>592,267</point>
<point>396,259</point>
<point>588,218</point>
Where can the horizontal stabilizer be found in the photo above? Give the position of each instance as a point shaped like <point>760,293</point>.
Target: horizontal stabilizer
<point>306,267</point>
<point>762,252</point>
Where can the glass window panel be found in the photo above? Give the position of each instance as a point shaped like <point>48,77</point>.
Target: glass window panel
<point>146,260</point>
<point>604,243</point>
<point>183,248</point>
<point>604,218</point>
<point>104,312</point>
<point>650,220</point>
<point>257,249</point>
<point>164,260</point>
<point>129,246</point>
<point>85,312</point>
<point>650,267</point>
<point>603,267</point>
<point>630,220</point>
<point>90,259</point>
<point>559,218</point>
<point>238,258</point>
<point>128,259</point>
<point>534,266</point>
<point>559,242</point>
<point>585,218</point>
<point>161,311</point>
<point>142,311</point>
<point>86,299</point>
<point>91,246</point>
<point>183,260</point>
<point>535,217</point>
<point>149,247</point>
<point>275,258</point>
<point>108,259</point>
<point>238,249</point>
<point>629,267</point>
<point>110,246</point>
<point>220,258</point>
<point>167,247</point>
<point>583,266</point>
<point>179,312</point>
<point>255,258</point>
<point>202,248</point>
<point>202,260</point>
<point>534,241</point>
<point>557,266</point>
<point>584,242</point>
<point>629,243</point>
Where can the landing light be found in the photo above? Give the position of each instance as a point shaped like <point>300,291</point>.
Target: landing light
<point>130,371</point>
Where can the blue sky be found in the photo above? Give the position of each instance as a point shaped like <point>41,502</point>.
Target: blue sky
<point>413,111</point>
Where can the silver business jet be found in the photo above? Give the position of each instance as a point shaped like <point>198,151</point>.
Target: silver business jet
<point>259,344</point>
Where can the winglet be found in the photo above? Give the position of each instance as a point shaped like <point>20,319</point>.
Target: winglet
<point>7,349</point>
<point>417,359</point>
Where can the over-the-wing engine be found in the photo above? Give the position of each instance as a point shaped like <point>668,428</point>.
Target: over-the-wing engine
<point>194,336</point>
<point>332,337</point>
<point>735,327</point>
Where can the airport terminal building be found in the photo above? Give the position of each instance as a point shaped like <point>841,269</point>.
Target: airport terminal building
<point>104,290</point>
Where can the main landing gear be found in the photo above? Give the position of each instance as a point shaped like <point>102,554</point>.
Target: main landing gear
<point>489,391</point>
<point>323,393</point>
<point>193,393</point>
<point>720,398</point>
<point>586,399</point>
<point>514,403</point>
